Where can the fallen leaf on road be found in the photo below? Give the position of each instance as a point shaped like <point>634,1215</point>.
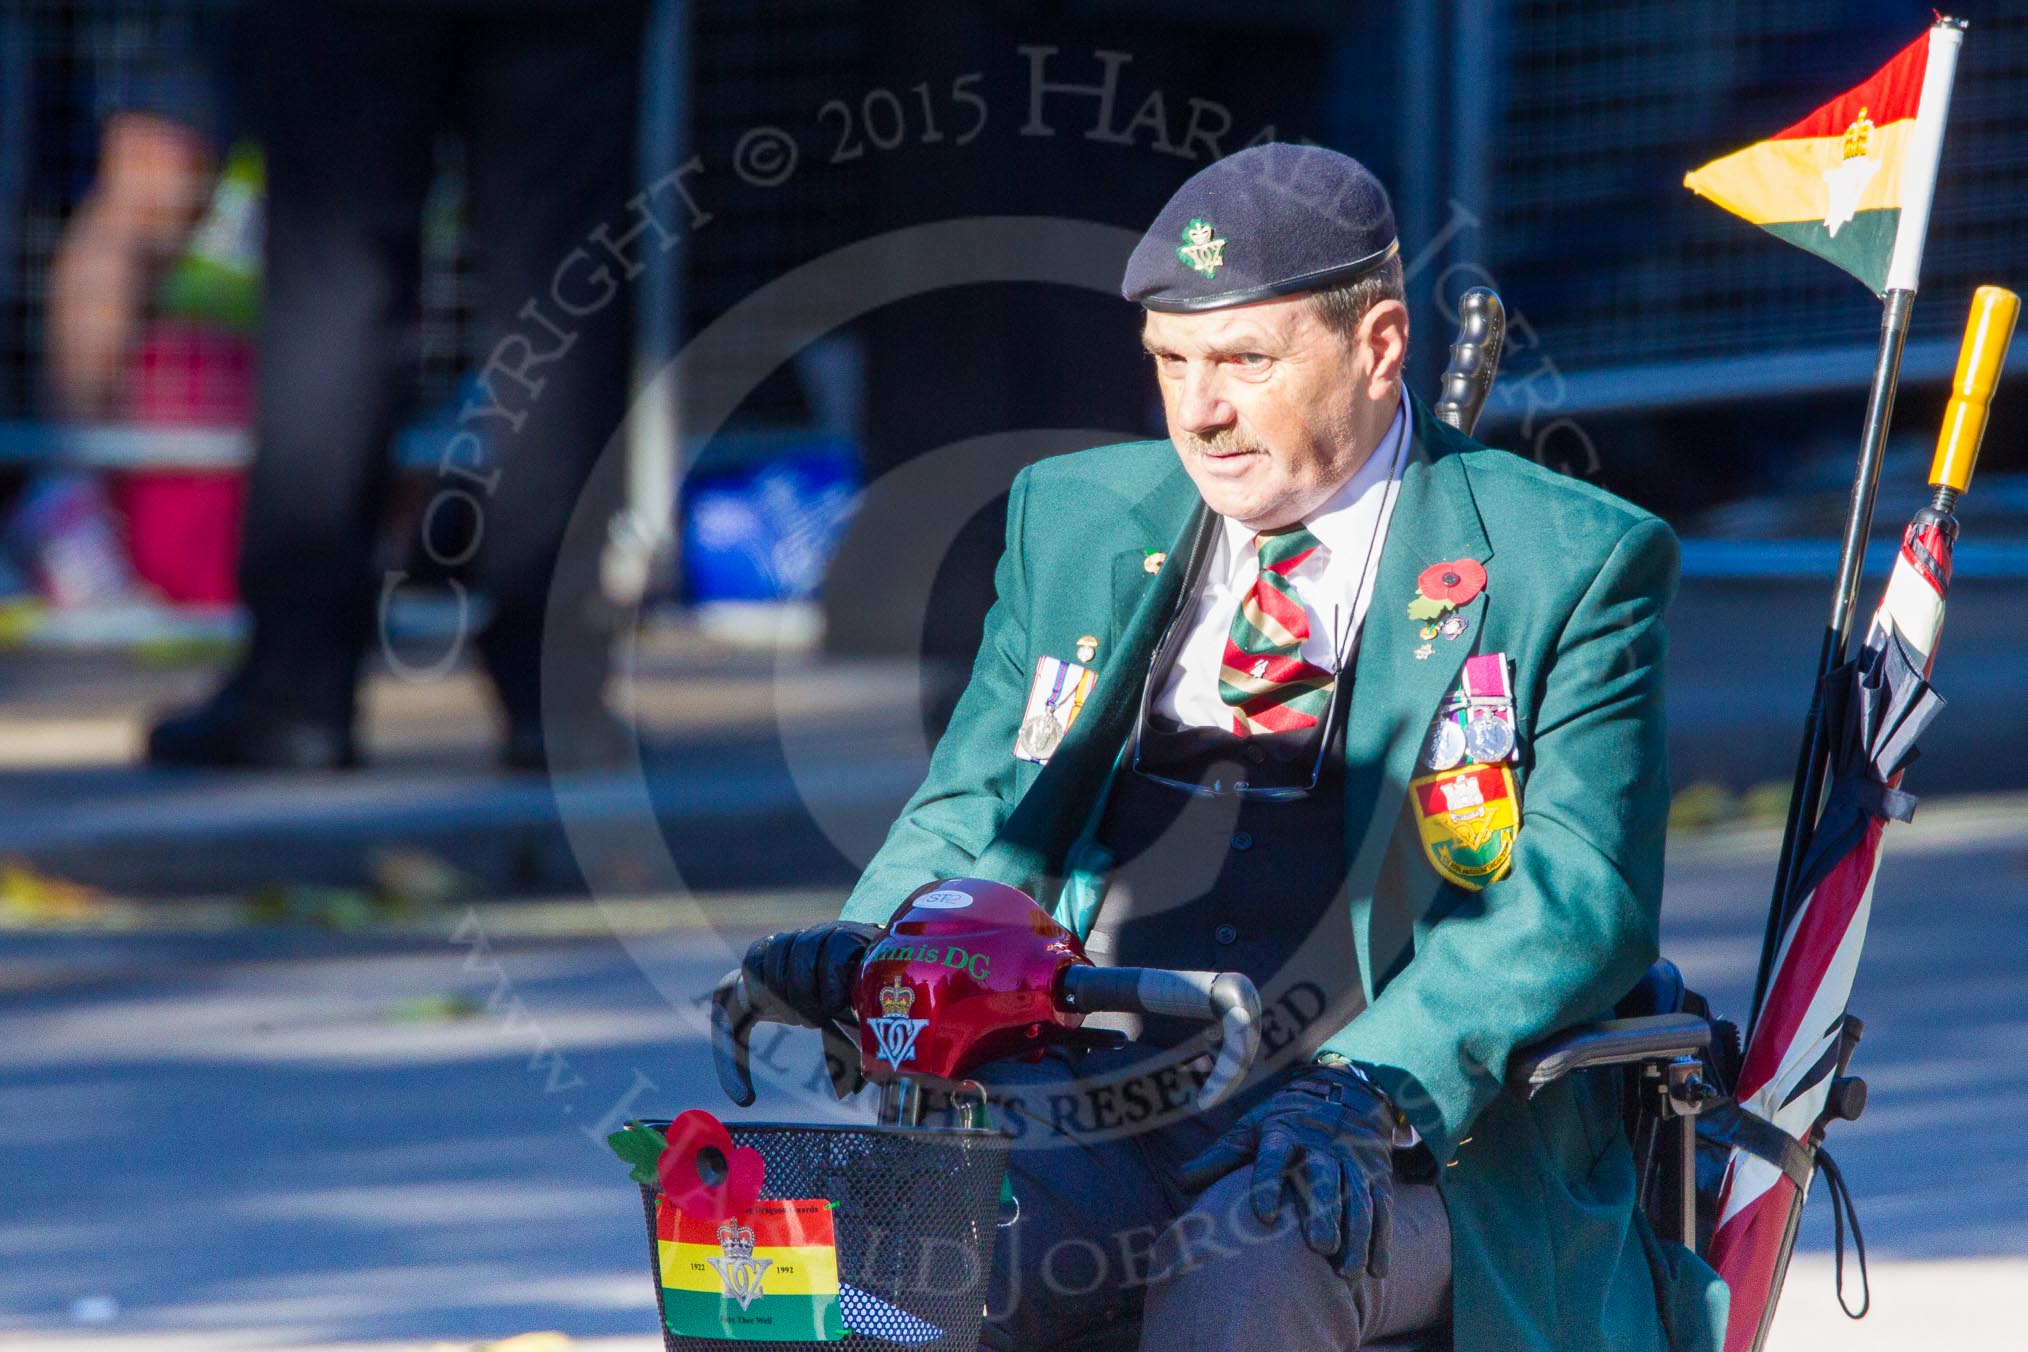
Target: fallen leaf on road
<point>19,619</point>
<point>434,1008</point>
<point>1700,806</point>
<point>1766,803</point>
<point>338,908</point>
<point>31,898</point>
<point>412,881</point>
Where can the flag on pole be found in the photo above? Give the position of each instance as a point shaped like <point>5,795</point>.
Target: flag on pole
<point>1852,181</point>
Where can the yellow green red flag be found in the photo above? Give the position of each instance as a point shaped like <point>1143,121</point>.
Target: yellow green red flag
<point>1852,181</point>
<point>767,1275</point>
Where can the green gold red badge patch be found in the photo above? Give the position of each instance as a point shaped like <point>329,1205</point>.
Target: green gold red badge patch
<point>1467,818</point>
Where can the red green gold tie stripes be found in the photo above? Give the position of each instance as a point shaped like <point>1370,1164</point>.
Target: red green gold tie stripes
<point>1264,677</point>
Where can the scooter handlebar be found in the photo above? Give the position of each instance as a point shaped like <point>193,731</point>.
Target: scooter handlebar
<point>736,1006</point>
<point>1227,999</point>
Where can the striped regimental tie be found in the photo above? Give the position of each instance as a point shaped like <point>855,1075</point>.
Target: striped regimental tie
<point>1264,677</point>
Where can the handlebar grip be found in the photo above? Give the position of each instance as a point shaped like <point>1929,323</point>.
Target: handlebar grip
<point>1988,330</point>
<point>1227,999</point>
<point>1475,359</point>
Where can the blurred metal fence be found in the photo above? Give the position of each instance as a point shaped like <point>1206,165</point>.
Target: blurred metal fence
<point>1604,104</point>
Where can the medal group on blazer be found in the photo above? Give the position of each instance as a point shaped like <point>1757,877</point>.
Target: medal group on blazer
<point>1466,799</point>
<point>1467,803</point>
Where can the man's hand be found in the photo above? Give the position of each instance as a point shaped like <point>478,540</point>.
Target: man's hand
<point>1329,1134</point>
<point>812,970</point>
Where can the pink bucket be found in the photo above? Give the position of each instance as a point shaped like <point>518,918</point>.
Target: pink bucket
<point>183,525</point>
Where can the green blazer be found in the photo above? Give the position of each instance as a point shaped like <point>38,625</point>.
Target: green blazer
<point>1549,1250</point>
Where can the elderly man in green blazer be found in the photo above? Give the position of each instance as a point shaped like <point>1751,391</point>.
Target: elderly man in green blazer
<point>1320,690</point>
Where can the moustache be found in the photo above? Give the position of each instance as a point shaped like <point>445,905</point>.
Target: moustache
<point>1225,441</point>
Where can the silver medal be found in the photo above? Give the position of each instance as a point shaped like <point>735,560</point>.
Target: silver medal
<point>1040,734</point>
<point>1446,744</point>
<point>1488,737</point>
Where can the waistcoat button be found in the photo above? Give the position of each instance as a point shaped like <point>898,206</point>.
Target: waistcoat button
<point>1242,840</point>
<point>1225,934</point>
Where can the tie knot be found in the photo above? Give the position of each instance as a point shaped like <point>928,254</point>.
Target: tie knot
<point>1285,548</point>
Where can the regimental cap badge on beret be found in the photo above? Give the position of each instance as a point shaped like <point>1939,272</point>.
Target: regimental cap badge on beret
<point>1306,217</point>
<point>1201,249</point>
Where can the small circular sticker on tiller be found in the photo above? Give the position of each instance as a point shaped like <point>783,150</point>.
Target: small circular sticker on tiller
<point>946,900</point>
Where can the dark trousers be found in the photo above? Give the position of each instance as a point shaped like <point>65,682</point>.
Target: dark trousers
<point>1110,1252</point>
<point>352,99</point>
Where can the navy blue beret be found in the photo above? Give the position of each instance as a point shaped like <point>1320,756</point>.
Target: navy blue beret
<point>1265,221</point>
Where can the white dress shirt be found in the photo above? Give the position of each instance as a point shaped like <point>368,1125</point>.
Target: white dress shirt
<point>1335,585</point>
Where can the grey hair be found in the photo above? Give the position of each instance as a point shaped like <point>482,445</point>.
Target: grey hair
<point>1341,307</point>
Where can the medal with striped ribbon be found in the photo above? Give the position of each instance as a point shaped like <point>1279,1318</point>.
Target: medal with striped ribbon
<point>1264,677</point>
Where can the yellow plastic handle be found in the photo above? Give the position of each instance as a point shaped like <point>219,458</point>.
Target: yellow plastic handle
<point>1987,333</point>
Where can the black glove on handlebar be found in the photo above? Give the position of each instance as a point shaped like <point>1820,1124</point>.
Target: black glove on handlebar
<point>812,970</point>
<point>1328,1134</point>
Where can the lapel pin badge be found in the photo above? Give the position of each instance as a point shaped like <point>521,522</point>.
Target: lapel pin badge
<point>1153,563</point>
<point>1439,590</point>
<point>1087,648</point>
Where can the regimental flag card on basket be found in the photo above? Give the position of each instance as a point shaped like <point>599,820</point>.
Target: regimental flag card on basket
<point>769,1275</point>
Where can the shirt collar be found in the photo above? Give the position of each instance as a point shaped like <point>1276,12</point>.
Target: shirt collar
<point>1345,521</point>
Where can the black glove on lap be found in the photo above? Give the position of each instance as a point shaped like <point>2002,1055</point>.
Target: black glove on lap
<point>812,970</point>
<point>1328,1135</point>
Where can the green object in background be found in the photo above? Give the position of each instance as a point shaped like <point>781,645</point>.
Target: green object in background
<point>445,1007</point>
<point>1700,806</point>
<point>166,654</point>
<point>217,281</point>
<point>1766,803</point>
<point>345,909</point>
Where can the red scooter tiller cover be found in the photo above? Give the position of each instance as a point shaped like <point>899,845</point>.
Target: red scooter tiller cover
<point>967,974</point>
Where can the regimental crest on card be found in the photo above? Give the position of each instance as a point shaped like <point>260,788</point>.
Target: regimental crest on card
<point>1055,697</point>
<point>737,1268</point>
<point>894,1032</point>
<point>1468,818</point>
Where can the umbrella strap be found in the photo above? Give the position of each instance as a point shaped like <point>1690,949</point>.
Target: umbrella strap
<point>1732,1126</point>
<point>1877,800</point>
<point>1843,1211</point>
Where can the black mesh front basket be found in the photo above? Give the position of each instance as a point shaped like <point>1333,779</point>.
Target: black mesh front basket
<point>915,1213</point>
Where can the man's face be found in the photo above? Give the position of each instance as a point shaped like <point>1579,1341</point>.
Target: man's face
<point>1270,409</point>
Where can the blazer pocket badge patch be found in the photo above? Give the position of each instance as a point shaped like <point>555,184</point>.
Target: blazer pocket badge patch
<point>1468,817</point>
<point>1055,697</point>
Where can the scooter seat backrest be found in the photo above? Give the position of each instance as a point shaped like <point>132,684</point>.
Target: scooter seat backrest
<point>1659,991</point>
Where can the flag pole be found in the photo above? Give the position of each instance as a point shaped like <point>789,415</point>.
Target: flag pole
<point>1946,37</point>
<point>1809,780</point>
